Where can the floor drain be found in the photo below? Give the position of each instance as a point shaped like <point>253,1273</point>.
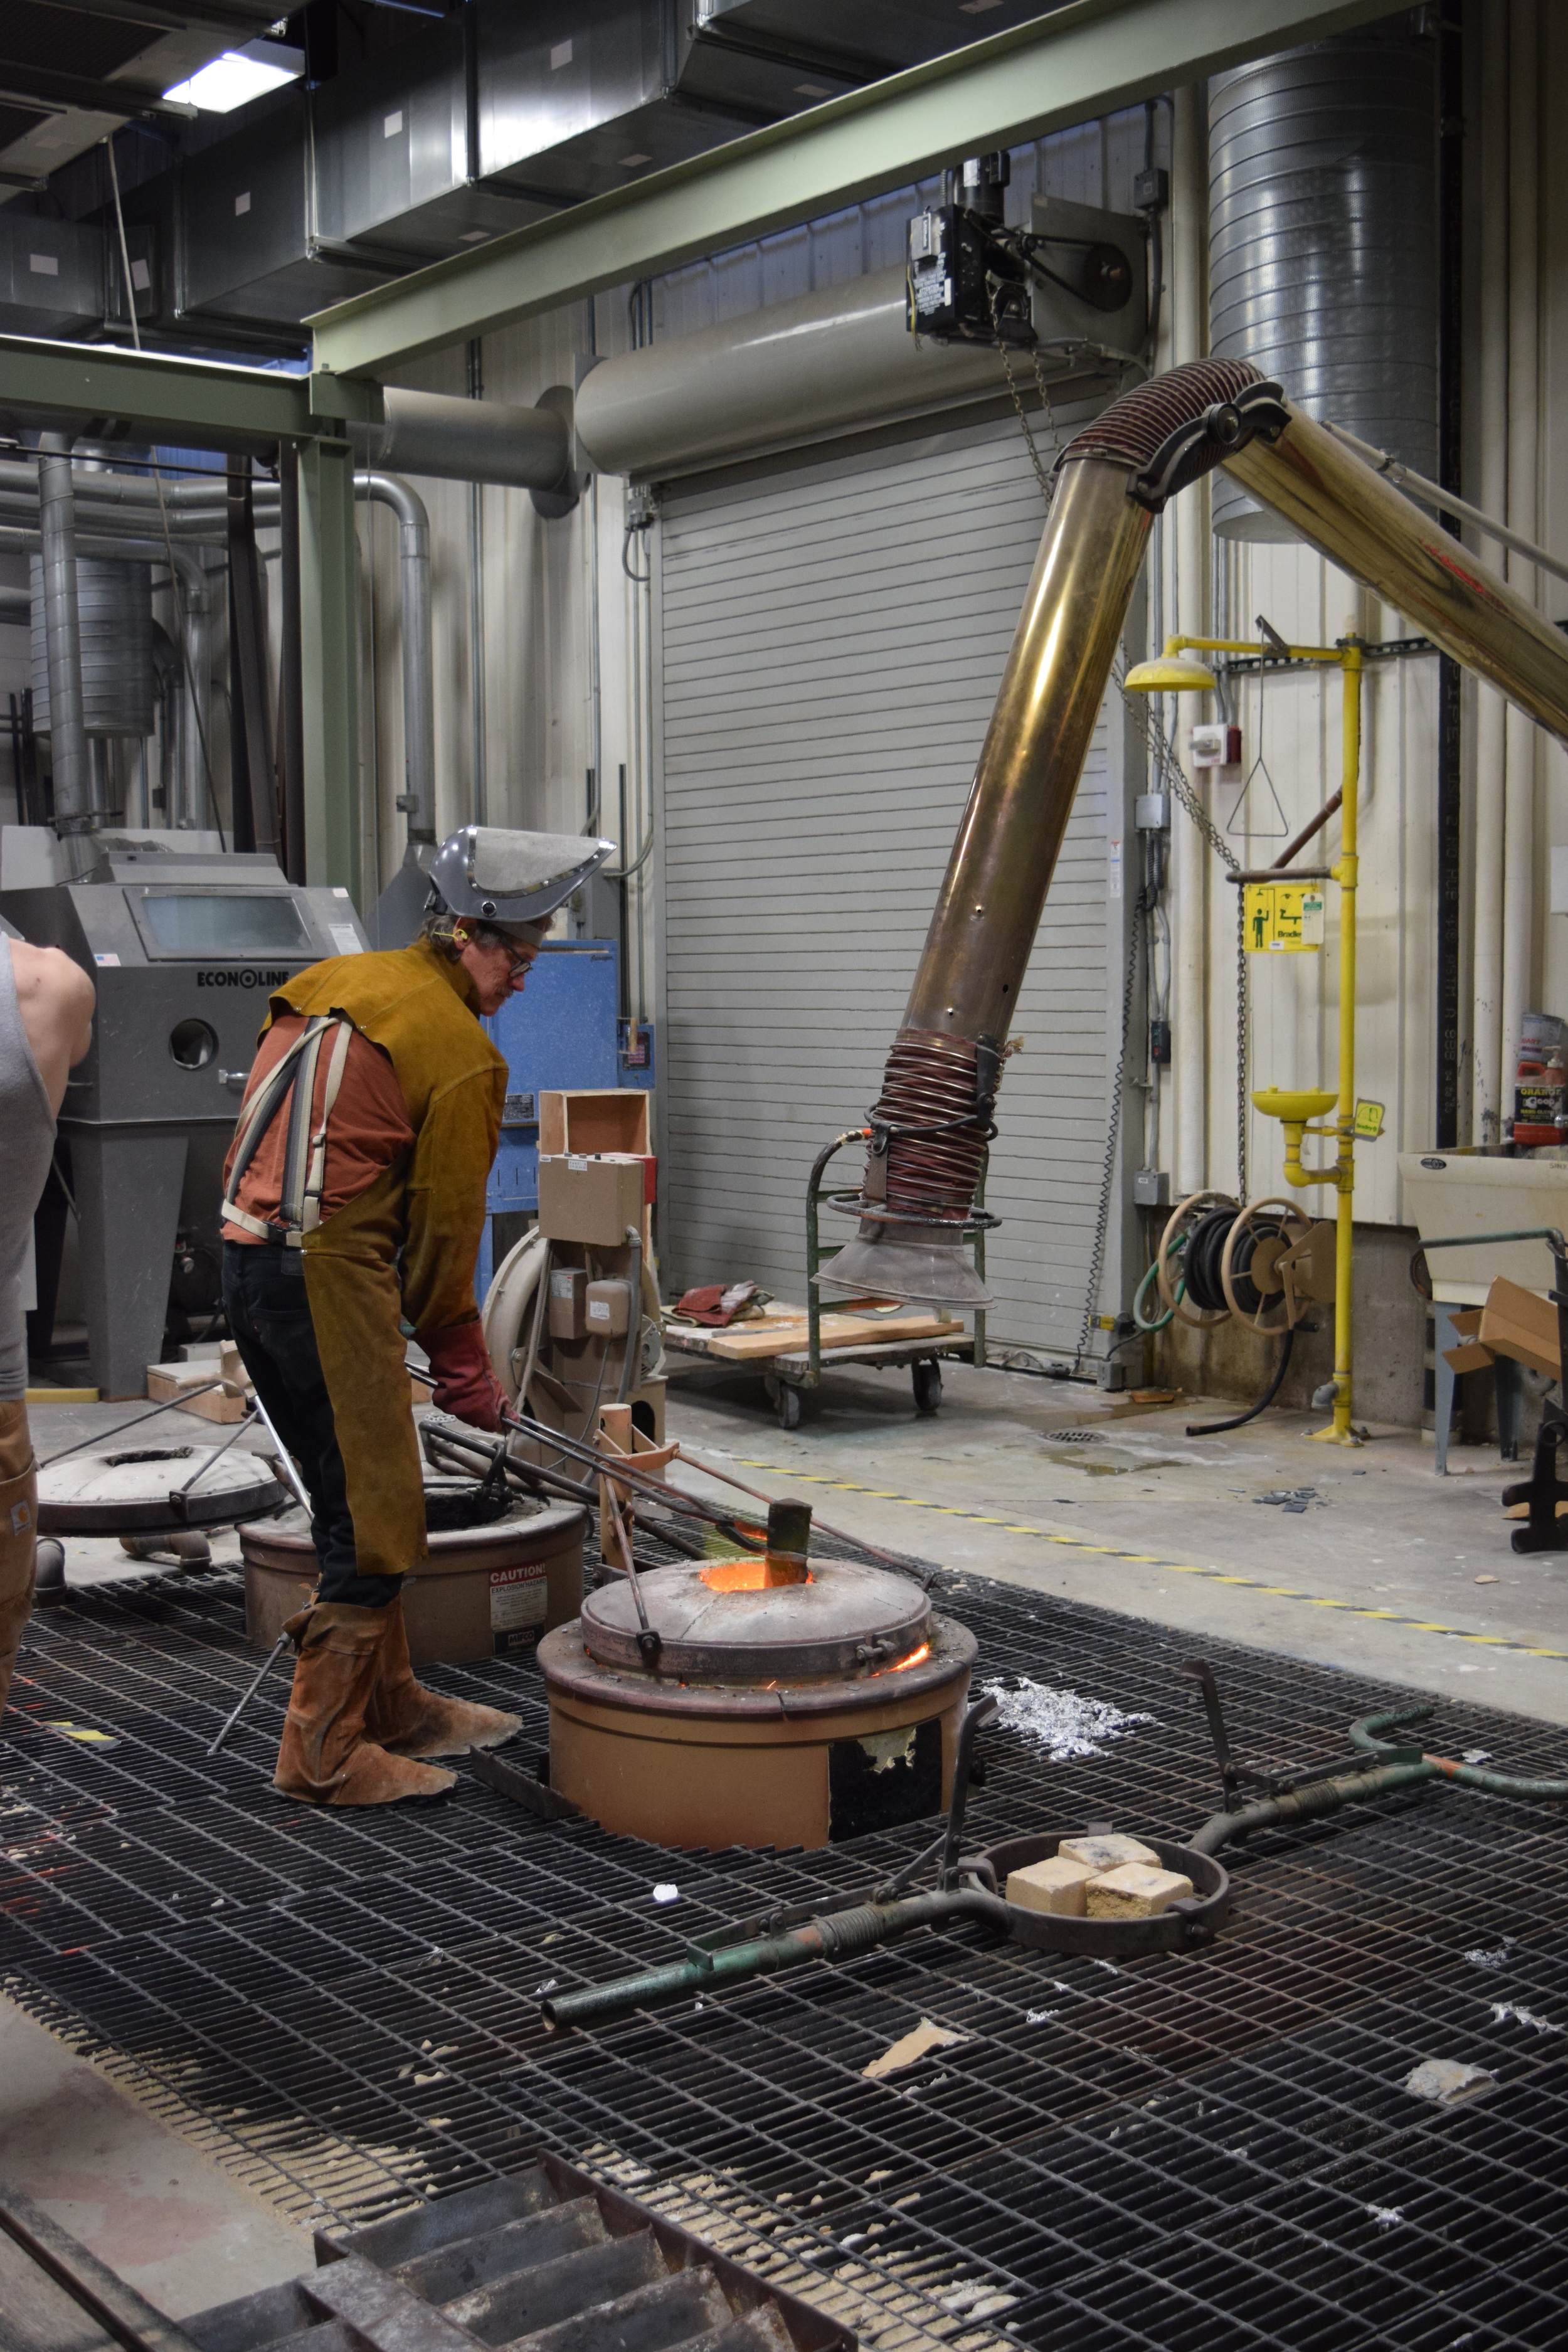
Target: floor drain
<point>1077,1437</point>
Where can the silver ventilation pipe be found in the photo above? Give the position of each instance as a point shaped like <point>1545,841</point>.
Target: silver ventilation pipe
<point>418,799</point>
<point>1323,249</point>
<point>68,737</point>
<point>199,606</point>
<point>453,440</point>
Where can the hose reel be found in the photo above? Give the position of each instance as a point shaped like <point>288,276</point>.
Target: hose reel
<point>1262,1265</point>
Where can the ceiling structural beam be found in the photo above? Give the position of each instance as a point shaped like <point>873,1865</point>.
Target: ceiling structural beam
<point>142,396</point>
<point>1086,59</point>
<point>76,91</point>
<point>248,25</point>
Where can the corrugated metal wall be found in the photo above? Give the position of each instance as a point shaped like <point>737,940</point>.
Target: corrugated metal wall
<point>831,642</point>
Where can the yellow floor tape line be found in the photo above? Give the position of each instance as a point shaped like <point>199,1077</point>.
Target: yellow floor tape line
<point>1141,1559</point>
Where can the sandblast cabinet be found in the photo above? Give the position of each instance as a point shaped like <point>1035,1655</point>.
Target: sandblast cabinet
<point>185,949</point>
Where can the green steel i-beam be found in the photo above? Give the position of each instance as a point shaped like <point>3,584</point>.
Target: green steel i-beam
<point>329,630</point>
<point>1080,61</point>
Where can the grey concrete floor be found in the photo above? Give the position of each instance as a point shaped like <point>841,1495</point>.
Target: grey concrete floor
<point>172,2222</point>
<point>1390,1572</point>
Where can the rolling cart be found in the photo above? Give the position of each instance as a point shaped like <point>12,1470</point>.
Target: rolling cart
<point>793,1370</point>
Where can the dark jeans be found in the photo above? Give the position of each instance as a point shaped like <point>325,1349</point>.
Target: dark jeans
<point>269,1317</point>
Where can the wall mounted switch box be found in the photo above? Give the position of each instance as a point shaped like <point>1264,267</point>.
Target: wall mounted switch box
<point>609,1308</point>
<point>567,1321</point>
<point>1215,746</point>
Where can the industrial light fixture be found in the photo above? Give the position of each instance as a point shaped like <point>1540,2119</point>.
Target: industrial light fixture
<point>1170,675</point>
<point>239,76</point>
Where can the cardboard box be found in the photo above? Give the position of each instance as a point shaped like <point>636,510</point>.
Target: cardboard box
<point>584,1198</point>
<point>1516,1322</point>
<point>1468,1355</point>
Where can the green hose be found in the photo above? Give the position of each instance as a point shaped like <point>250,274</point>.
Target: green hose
<point>1138,1297</point>
<point>1363,1734</point>
<point>1395,1769</point>
<point>831,1936</point>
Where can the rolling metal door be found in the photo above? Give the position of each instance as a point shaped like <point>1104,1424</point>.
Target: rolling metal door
<point>832,641</point>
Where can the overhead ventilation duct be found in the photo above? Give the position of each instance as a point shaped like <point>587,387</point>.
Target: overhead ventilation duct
<point>51,275</point>
<point>1323,242</point>
<point>396,170</point>
<point>855,45</point>
<point>114,624</point>
<point>247,243</point>
<point>574,100</point>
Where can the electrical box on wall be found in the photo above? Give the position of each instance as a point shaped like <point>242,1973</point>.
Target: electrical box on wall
<point>1215,746</point>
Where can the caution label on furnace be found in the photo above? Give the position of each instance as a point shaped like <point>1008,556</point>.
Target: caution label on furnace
<point>520,1598</point>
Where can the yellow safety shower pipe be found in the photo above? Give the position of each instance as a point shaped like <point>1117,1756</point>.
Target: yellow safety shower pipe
<point>1348,658</point>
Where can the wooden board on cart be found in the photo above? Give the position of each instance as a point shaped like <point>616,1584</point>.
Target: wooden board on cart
<point>781,1332</point>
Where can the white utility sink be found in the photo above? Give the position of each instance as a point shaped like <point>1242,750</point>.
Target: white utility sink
<point>1473,1191</point>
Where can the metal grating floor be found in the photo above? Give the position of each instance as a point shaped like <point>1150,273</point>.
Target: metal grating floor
<point>1212,2150</point>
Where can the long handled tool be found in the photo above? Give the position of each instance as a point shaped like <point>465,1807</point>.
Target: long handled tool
<point>285,1464</point>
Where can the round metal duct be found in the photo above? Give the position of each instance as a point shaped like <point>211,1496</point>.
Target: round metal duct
<point>1323,241</point>
<point>115,604</point>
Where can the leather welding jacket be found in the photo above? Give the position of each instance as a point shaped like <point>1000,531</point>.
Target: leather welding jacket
<point>403,1248</point>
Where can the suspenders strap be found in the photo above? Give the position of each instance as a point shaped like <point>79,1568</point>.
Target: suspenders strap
<point>305,1151</point>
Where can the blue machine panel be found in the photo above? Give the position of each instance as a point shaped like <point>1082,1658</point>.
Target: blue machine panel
<point>563,1032</point>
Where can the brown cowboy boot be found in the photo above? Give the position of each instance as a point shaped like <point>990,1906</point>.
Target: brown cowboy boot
<point>325,1757</point>
<point>407,1719</point>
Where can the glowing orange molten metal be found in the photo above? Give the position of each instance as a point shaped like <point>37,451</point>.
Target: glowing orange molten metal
<point>749,1575</point>
<point>915,1658</point>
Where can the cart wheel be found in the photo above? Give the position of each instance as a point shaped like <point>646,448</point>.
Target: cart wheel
<point>927,1379</point>
<point>786,1406</point>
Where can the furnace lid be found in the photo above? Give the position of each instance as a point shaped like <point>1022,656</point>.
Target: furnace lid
<point>847,1620</point>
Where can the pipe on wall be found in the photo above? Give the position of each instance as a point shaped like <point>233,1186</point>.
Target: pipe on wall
<point>454,440</point>
<point>1522,747</point>
<point>841,357</point>
<point>419,798</point>
<point>190,765</point>
<point>68,740</point>
<point>1188,612</point>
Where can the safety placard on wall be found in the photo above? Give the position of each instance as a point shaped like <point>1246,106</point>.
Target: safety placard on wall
<point>520,1598</point>
<point>1283,918</point>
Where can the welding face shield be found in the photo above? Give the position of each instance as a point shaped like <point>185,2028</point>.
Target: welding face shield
<point>511,882</point>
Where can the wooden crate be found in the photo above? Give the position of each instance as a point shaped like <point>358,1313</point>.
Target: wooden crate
<point>602,1118</point>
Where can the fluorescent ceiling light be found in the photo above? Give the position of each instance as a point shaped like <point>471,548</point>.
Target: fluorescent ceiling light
<point>239,76</point>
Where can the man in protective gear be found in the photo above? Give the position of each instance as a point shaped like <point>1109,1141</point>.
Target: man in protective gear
<point>353,1205</point>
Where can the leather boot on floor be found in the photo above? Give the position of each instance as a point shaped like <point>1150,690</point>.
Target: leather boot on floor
<point>325,1757</point>
<point>407,1719</point>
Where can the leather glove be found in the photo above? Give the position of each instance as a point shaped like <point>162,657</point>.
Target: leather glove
<point>466,1385</point>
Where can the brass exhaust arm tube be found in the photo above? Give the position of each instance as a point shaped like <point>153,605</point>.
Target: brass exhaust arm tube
<point>931,1125</point>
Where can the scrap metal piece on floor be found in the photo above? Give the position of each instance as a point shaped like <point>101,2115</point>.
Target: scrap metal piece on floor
<point>548,2259</point>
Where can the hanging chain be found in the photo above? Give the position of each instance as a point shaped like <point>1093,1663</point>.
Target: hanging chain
<point>1041,474</point>
<point>1169,770</point>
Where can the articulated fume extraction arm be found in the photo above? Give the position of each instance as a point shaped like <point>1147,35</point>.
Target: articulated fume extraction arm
<point>933,1119</point>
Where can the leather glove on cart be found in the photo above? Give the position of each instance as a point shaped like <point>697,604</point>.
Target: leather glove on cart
<point>466,1384</point>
